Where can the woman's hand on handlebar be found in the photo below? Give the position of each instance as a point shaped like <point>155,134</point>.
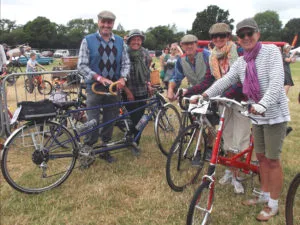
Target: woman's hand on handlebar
<point>257,109</point>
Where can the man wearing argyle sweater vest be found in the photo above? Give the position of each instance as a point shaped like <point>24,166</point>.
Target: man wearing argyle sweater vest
<point>103,59</point>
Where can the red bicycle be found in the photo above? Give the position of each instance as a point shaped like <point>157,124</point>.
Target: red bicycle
<point>35,80</point>
<point>202,203</point>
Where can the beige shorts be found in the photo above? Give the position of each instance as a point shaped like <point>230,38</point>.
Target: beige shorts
<point>268,139</point>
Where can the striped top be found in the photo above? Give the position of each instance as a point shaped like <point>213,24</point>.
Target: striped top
<point>270,76</point>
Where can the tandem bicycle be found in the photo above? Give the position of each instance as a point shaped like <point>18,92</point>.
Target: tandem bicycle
<point>42,153</point>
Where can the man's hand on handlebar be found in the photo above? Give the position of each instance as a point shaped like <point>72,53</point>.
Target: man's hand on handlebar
<point>104,81</point>
<point>121,83</point>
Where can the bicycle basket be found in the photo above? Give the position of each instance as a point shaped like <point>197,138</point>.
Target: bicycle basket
<point>40,110</point>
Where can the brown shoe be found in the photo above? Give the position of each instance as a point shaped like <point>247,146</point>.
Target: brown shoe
<point>254,201</point>
<point>266,214</point>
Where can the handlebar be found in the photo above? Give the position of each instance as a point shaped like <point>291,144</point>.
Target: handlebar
<point>241,107</point>
<point>110,89</point>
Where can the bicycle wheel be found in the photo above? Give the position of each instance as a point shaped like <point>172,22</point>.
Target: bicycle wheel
<point>34,162</point>
<point>45,88</point>
<point>201,205</point>
<point>27,85</point>
<point>293,202</point>
<point>180,171</point>
<point>167,127</point>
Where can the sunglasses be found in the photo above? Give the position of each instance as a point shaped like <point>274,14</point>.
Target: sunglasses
<point>173,49</point>
<point>220,35</point>
<point>244,34</point>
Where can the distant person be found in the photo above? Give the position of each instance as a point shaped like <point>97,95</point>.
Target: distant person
<point>103,59</point>
<point>176,52</point>
<point>163,63</point>
<point>30,68</point>
<point>287,60</point>
<point>2,60</point>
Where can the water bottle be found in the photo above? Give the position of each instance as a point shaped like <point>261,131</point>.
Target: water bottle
<point>142,122</point>
<point>83,127</point>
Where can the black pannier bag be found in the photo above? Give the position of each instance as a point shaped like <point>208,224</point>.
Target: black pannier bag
<point>40,110</point>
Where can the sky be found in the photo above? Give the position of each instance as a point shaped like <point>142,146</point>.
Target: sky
<point>142,14</point>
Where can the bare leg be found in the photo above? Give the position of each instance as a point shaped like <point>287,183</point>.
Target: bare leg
<point>275,178</point>
<point>286,88</point>
<point>263,171</point>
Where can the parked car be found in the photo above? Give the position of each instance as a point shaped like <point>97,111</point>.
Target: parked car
<point>61,53</point>
<point>40,59</point>
<point>27,54</point>
<point>47,53</point>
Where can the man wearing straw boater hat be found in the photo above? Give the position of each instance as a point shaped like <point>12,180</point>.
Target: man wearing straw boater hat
<point>103,59</point>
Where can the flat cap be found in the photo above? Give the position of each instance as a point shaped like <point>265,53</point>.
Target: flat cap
<point>106,15</point>
<point>247,23</point>
<point>189,38</point>
<point>219,28</point>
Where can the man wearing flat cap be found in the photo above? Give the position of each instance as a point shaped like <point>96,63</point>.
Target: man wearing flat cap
<point>103,59</point>
<point>194,65</point>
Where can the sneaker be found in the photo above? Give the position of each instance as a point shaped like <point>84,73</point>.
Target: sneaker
<point>255,201</point>
<point>226,178</point>
<point>107,157</point>
<point>238,187</point>
<point>288,130</point>
<point>267,213</point>
<point>196,160</point>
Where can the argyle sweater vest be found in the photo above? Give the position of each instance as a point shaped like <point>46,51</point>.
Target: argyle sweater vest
<point>105,57</point>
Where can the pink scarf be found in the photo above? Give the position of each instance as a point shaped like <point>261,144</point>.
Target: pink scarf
<point>251,86</point>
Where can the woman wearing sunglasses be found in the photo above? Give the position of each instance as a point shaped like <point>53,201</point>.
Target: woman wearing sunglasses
<point>260,71</point>
<point>237,127</point>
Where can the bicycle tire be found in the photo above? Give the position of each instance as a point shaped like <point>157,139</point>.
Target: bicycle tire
<point>167,127</point>
<point>179,170</point>
<point>47,89</point>
<point>204,195</point>
<point>290,200</point>
<point>23,159</point>
<point>27,85</point>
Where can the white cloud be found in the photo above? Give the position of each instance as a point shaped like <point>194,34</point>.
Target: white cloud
<point>141,14</point>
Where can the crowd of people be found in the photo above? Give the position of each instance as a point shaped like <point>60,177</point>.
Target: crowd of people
<point>259,74</point>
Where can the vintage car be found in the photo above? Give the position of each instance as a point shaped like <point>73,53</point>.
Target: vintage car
<point>40,59</point>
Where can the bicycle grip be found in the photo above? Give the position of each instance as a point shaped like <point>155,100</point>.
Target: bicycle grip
<point>111,92</point>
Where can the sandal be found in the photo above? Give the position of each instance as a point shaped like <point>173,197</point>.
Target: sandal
<point>266,214</point>
<point>254,201</point>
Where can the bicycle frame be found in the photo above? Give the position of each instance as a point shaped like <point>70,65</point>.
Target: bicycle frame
<point>234,161</point>
<point>155,101</point>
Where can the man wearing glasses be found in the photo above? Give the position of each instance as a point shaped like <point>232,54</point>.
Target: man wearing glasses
<point>260,71</point>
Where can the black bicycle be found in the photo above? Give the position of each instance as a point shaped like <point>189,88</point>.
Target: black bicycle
<point>42,153</point>
<point>292,204</point>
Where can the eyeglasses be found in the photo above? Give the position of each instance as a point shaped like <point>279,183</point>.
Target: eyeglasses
<point>220,35</point>
<point>244,34</point>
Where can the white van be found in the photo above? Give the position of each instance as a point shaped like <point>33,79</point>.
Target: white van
<point>61,53</point>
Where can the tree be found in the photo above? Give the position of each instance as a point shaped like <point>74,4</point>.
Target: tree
<point>41,32</point>
<point>269,25</point>
<point>77,29</point>
<point>205,19</point>
<point>7,25</point>
<point>291,28</point>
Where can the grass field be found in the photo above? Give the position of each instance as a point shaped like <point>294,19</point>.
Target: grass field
<point>134,190</point>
